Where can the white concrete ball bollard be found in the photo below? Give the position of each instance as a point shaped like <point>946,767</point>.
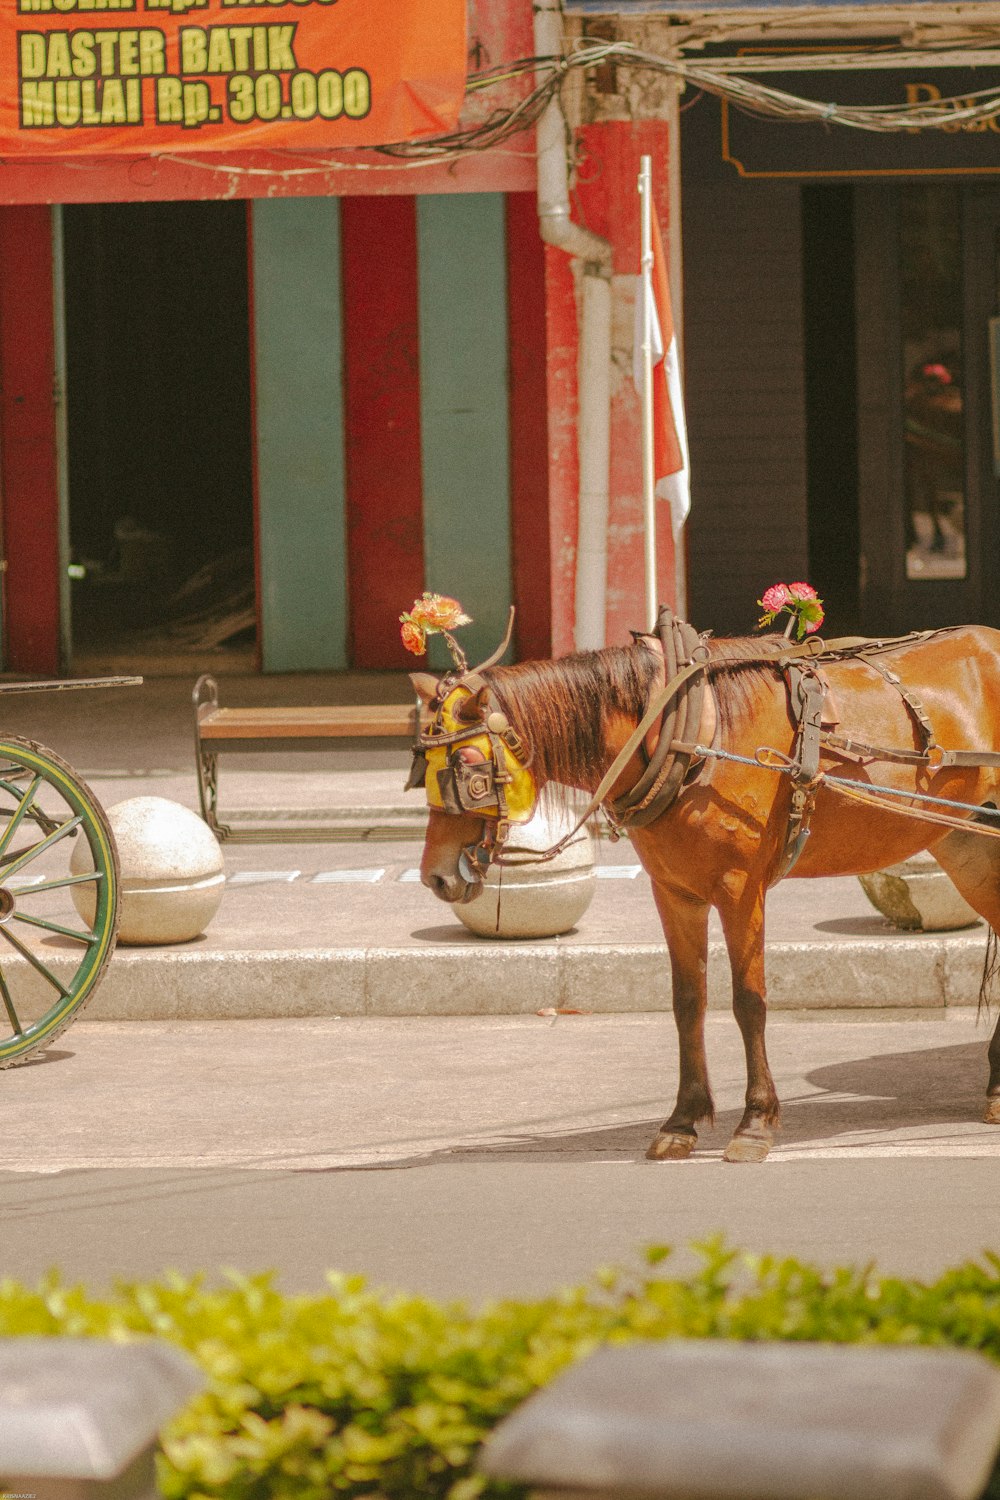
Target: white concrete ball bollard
<point>172,872</point>
<point>917,896</point>
<point>536,900</point>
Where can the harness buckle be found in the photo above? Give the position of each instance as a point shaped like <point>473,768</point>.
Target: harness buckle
<point>473,786</point>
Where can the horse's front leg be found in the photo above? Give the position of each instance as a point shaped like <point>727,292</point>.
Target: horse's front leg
<point>743,926</point>
<point>685,927</point>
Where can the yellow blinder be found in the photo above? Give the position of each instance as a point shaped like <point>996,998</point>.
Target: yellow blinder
<point>521,792</point>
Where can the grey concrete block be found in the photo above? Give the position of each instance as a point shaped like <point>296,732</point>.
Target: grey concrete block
<point>899,972</point>
<point>720,977</point>
<point>619,977</point>
<point>463,979</point>
<point>85,1409</point>
<point>963,970</point>
<point>191,985</point>
<point>705,1420</point>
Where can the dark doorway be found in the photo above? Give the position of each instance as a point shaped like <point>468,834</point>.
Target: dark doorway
<point>927,255</point>
<point>831,392</point>
<point>159,430</point>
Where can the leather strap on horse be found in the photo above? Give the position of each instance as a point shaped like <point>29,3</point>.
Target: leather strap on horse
<point>931,754</point>
<point>934,757</point>
<point>663,777</point>
<point>812,648</point>
<point>808,692</point>
<point>910,699</point>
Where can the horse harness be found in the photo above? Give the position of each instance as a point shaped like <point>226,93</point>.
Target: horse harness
<point>676,757</point>
<point>814,719</point>
<point>478,783</point>
<point>669,764</point>
<point>675,713</point>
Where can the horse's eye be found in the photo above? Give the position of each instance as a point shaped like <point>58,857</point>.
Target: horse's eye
<point>470,756</point>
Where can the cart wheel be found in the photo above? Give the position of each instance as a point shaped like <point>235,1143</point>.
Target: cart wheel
<point>50,957</point>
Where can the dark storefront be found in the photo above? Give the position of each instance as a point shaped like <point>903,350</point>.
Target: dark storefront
<point>840,292</point>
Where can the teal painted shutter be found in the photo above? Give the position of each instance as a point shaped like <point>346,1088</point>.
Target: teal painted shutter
<point>300,433</point>
<point>464,410</point>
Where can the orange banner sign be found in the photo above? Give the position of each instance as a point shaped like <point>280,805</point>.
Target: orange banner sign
<point>121,77</point>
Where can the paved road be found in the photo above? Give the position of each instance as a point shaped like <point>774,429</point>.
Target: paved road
<point>482,1156</point>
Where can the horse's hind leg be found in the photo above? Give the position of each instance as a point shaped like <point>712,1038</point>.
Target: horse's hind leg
<point>992,1112</point>
<point>743,926</point>
<point>685,927</point>
<point>973,862</point>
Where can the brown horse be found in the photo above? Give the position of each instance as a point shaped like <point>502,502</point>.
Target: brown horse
<point>722,841</point>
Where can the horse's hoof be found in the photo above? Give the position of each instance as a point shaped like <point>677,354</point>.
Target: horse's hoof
<point>747,1148</point>
<point>992,1113</point>
<point>672,1145</point>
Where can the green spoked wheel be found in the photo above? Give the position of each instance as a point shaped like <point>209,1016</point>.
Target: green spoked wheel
<point>58,897</point>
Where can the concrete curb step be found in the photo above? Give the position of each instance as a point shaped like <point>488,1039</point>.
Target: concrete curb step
<point>496,978</point>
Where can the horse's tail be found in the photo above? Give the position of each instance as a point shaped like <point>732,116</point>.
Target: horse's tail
<point>991,973</point>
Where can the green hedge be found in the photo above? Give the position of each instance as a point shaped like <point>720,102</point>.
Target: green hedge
<point>362,1393</point>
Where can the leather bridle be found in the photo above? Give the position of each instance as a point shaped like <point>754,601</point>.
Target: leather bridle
<point>490,779</point>
<point>481,784</point>
<point>471,779</point>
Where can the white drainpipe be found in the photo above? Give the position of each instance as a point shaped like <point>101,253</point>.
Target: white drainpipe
<point>594,411</point>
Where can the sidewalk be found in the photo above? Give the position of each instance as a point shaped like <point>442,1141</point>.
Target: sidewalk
<point>345,929</point>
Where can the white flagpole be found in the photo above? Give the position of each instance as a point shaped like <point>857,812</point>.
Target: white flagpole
<point>648,474</point>
<point>675,258</point>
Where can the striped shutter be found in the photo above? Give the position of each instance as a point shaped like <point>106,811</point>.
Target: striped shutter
<point>383,406</point>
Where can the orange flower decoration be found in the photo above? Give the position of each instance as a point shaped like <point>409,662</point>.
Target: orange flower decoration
<point>413,638</point>
<point>431,614</point>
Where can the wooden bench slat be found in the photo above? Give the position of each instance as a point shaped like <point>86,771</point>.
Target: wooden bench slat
<point>248,729</point>
<point>384,720</point>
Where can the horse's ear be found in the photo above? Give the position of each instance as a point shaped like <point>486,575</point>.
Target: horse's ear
<point>472,710</point>
<point>425,686</point>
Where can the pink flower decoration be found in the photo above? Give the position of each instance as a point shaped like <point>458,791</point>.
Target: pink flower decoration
<point>775,598</point>
<point>799,600</point>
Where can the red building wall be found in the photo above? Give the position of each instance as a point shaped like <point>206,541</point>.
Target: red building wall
<point>605,201</point>
<point>28,473</point>
<point>379,386</point>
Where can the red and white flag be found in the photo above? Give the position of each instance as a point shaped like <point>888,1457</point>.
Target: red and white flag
<point>670,449</point>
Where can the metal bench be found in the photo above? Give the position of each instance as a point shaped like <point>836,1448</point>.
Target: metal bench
<point>219,729</point>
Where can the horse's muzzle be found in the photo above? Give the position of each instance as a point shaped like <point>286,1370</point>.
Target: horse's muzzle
<point>456,891</point>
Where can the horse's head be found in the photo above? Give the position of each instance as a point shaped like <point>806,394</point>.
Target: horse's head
<point>472,765</point>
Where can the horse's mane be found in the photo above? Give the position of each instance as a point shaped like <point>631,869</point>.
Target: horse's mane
<point>737,682</point>
<point>561,708</point>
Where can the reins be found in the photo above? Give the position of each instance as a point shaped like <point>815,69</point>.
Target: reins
<point>864,791</point>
